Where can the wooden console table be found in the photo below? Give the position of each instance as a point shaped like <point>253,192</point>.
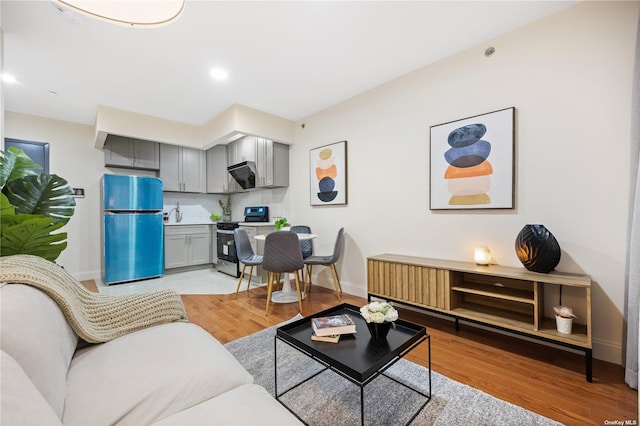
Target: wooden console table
<point>506,298</point>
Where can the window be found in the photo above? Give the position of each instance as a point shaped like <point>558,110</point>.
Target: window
<point>37,151</point>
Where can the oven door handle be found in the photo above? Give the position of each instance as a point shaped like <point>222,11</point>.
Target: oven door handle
<point>224,231</point>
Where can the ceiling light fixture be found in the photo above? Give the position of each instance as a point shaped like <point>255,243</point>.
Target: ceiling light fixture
<point>219,74</point>
<point>132,13</point>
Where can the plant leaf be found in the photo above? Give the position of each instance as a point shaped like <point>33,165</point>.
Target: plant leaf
<point>48,195</point>
<point>6,209</point>
<point>32,234</point>
<point>15,164</point>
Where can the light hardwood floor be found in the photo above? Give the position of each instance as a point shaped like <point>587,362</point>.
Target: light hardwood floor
<point>542,379</point>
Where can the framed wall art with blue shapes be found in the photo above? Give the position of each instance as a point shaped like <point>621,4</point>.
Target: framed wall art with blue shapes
<point>472,162</point>
<point>328,174</point>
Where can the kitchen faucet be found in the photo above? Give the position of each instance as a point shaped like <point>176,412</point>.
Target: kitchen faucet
<point>178,213</point>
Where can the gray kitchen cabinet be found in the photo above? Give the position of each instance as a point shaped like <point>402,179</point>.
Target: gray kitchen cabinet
<point>239,151</point>
<point>175,254</point>
<point>243,149</point>
<point>186,245</point>
<point>272,164</point>
<point>271,161</point>
<point>120,151</point>
<point>218,178</point>
<point>259,275</point>
<point>182,169</point>
<point>213,256</point>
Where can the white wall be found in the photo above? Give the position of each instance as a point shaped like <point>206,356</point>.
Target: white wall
<point>73,157</point>
<point>569,77</point>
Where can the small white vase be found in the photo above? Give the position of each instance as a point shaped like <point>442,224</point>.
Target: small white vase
<point>564,324</point>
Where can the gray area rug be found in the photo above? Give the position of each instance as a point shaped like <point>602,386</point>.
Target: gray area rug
<point>329,399</point>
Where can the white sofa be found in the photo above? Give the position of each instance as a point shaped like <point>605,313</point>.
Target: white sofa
<point>170,374</point>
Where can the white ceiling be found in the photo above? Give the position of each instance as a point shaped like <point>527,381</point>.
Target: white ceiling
<point>290,58</point>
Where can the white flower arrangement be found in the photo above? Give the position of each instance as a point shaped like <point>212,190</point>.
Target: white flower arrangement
<point>379,312</point>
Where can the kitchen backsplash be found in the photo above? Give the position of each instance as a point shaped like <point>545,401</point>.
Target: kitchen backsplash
<point>197,208</point>
<point>190,213</point>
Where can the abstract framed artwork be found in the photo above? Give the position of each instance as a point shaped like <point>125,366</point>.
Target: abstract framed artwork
<point>328,174</point>
<point>472,162</point>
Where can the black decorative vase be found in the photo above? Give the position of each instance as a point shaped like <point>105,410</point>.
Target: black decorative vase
<point>378,330</point>
<point>537,249</point>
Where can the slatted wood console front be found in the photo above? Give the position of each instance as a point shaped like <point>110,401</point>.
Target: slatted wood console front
<point>508,298</point>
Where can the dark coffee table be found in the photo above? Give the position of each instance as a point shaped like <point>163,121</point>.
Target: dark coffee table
<point>356,357</point>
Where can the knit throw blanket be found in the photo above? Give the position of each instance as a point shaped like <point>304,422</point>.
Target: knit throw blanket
<point>94,317</point>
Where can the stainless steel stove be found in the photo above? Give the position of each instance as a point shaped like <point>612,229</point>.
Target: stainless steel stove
<point>226,248</point>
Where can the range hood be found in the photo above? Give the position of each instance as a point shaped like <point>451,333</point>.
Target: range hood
<point>244,173</point>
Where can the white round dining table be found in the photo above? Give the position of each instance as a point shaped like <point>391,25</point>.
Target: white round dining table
<point>287,294</point>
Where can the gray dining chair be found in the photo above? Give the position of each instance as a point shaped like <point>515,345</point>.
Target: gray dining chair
<point>246,256</point>
<point>306,246</point>
<point>329,261</point>
<point>282,255</point>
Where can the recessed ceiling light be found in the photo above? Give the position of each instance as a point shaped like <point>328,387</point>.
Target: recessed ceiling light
<point>218,74</point>
<point>8,78</point>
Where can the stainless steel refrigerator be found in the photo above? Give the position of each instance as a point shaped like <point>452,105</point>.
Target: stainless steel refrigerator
<point>132,230</point>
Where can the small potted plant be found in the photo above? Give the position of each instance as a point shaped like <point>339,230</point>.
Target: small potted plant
<point>226,209</point>
<point>564,319</point>
<point>281,223</point>
<point>380,317</point>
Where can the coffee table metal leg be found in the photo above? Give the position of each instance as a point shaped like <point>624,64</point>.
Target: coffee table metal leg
<point>429,351</point>
<point>362,405</point>
<point>275,366</point>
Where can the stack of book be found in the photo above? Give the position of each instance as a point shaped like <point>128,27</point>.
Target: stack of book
<point>329,329</point>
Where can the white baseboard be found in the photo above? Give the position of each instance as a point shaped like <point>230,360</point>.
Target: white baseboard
<point>348,288</point>
<point>607,351</point>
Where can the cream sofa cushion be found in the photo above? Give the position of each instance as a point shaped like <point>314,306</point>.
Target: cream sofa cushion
<point>21,402</point>
<point>248,405</point>
<point>37,336</point>
<point>148,375</point>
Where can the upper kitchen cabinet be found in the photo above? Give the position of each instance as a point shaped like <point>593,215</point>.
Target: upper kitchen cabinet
<point>242,150</point>
<point>183,169</point>
<point>269,161</point>
<point>120,151</point>
<point>218,179</point>
<point>272,164</point>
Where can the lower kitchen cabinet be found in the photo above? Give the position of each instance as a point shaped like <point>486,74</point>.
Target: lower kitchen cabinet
<point>186,245</point>
<point>214,245</point>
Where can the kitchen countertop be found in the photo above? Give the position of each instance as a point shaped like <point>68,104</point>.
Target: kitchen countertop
<point>189,223</point>
<point>209,222</point>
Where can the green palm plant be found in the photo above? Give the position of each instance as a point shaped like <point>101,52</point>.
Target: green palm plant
<point>32,206</point>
